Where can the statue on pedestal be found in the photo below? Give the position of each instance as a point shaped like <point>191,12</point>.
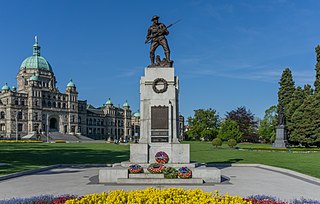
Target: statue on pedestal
<point>156,36</point>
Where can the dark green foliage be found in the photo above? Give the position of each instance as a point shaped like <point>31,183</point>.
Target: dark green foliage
<point>232,143</point>
<point>204,124</point>
<point>267,128</point>
<point>286,89</point>
<point>306,122</point>
<point>317,81</point>
<point>246,122</point>
<point>216,142</point>
<point>230,130</point>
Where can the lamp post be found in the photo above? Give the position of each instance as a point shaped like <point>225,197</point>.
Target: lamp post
<point>17,125</point>
<point>47,127</point>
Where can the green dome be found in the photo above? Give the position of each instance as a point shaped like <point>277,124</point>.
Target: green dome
<point>126,104</point>
<point>36,61</point>
<point>137,114</point>
<point>5,87</point>
<point>71,84</point>
<point>109,102</point>
<point>34,78</point>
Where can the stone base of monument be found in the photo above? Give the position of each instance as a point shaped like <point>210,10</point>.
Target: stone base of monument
<point>280,144</point>
<point>119,174</point>
<point>179,156</point>
<point>280,141</point>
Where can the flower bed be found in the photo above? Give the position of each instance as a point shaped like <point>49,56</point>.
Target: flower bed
<point>155,168</point>
<point>20,141</point>
<point>156,196</point>
<point>135,169</point>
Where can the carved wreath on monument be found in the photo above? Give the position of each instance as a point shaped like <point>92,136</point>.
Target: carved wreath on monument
<point>158,82</point>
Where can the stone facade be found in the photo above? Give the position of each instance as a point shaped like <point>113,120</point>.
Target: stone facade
<point>37,107</point>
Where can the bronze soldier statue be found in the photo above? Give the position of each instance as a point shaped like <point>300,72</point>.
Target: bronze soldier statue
<point>156,33</point>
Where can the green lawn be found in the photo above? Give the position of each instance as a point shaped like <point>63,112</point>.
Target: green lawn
<point>33,155</point>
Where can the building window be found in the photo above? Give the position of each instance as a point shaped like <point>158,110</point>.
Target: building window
<point>49,104</point>
<point>35,116</point>
<point>2,115</point>
<point>2,127</point>
<point>16,102</point>
<point>20,126</point>
<point>102,131</point>
<point>63,105</point>
<point>19,115</point>
<point>22,102</point>
<point>79,119</point>
<point>72,119</point>
<point>59,105</point>
<point>54,104</point>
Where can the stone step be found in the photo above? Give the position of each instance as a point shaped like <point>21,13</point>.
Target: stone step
<point>146,175</point>
<point>159,181</point>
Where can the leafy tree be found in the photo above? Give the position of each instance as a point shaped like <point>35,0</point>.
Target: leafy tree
<point>217,142</point>
<point>229,130</point>
<point>245,120</point>
<point>204,124</point>
<point>267,128</point>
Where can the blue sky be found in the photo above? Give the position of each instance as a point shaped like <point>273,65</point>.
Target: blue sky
<point>226,53</point>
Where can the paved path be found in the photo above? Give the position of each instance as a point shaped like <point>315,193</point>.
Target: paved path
<point>243,181</point>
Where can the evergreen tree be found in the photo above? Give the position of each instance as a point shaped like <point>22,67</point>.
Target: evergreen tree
<point>306,122</point>
<point>317,81</point>
<point>286,89</point>
<point>297,100</point>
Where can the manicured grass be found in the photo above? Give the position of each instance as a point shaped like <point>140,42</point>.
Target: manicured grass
<point>30,156</point>
<point>25,156</point>
<point>303,162</point>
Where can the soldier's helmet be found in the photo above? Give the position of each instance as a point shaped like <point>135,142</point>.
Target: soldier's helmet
<point>155,17</point>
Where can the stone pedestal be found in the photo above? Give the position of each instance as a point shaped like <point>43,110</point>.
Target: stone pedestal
<point>281,137</point>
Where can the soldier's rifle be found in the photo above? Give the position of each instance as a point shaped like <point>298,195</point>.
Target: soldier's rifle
<point>160,31</point>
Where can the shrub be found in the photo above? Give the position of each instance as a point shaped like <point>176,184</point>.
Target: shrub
<point>217,142</point>
<point>232,143</point>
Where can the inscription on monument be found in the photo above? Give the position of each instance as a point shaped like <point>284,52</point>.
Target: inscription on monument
<point>159,117</point>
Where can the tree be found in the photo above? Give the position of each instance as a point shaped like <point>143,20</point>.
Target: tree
<point>232,143</point>
<point>217,142</point>
<point>317,81</point>
<point>304,127</point>
<point>229,130</point>
<point>246,122</point>
<point>204,124</point>
<point>267,128</point>
<point>286,91</point>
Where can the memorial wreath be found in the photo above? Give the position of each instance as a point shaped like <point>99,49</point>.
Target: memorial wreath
<point>184,173</point>
<point>135,169</point>
<point>155,168</point>
<point>162,157</point>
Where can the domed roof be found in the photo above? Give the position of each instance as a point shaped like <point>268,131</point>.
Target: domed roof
<point>137,114</point>
<point>109,102</point>
<point>36,61</point>
<point>34,78</point>
<point>126,104</point>
<point>71,84</point>
<point>5,87</point>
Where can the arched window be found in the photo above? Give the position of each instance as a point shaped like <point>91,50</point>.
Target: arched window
<point>2,115</point>
<point>59,105</point>
<point>16,102</point>
<point>94,122</point>
<point>79,119</point>
<point>49,104</point>
<point>54,104</point>
<point>90,121</point>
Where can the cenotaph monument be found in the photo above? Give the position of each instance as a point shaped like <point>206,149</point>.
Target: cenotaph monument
<point>159,118</point>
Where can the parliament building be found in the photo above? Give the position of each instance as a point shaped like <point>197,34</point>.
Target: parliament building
<point>36,108</point>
